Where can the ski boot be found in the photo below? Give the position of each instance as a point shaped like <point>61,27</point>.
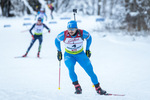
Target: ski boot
<point>25,55</point>
<point>77,88</point>
<point>38,54</point>
<point>100,90</point>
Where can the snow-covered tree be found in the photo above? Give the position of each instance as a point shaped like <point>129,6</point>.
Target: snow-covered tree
<point>138,14</point>
<point>125,14</point>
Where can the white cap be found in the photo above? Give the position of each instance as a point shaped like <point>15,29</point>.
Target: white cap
<point>41,9</point>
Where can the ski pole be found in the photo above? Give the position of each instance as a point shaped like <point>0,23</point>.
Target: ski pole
<point>59,74</point>
<point>24,30</point>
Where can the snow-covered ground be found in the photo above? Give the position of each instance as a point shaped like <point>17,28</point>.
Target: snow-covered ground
<point>121,64</point>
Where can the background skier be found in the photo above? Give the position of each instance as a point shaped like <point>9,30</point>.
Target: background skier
<point>41,14</point>
<point>38,29</point>
<point>51,7</point>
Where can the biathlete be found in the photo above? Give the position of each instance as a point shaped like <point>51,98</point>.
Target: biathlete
<point>51,7</point>
<point>41,14</point>
<point>38,29</point>
<point>73,39</point>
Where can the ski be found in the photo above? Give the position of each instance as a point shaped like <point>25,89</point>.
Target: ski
<point>110,94</point>
<point>26,57</point>
<point>19,57</point>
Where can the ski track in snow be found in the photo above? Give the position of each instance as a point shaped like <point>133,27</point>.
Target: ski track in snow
<point>122,65</point>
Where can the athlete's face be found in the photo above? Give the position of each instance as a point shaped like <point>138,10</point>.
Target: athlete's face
<point>42,11</point>
<point>39,21</point>
<point>72,31</point>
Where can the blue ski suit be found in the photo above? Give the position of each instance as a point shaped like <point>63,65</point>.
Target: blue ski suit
<point>74,53</point>
<point>41,15</point>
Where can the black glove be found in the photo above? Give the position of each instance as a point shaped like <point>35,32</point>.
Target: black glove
<point>88,53</point>
<point>59,55</point>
